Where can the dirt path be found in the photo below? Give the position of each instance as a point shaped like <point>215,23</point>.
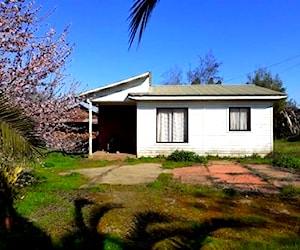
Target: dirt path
<point>251,178</point>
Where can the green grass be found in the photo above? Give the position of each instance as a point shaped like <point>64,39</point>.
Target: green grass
<point>287,154</point>
<point>166,183</point>
<point>289,191</point>
<point>179,164</point>
<point>159,214</point>
<point>134,161</point>
<point>60,161</point>
<point>35,200</point>
<point>53,181</point>
<point>287,148</point>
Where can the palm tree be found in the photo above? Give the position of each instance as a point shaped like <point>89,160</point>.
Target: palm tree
<point>140,13</point>
<point>17,137</point>
<point>17,143</point>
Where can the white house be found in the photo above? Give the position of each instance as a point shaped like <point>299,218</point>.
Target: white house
<point>225,120</point>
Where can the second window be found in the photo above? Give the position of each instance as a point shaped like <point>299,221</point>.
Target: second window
<point>239,119</point>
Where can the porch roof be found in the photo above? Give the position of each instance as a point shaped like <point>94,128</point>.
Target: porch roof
<point>116,84</point>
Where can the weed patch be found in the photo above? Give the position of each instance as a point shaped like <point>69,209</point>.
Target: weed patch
<point>287,148</point>
<point>255,159</point>
<point>140,160</point>
<point>175,164</point>
<point>165,182</point>
<point>186,156</point>
<point>289,191</point>
<point>287,162</point>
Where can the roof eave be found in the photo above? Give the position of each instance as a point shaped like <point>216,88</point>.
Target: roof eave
<point>205,98</point>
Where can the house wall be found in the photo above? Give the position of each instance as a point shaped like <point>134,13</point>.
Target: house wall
<point>208,129</point>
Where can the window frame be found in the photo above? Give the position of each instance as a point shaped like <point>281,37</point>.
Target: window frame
<point>248,118</point>
<point>185,128</point>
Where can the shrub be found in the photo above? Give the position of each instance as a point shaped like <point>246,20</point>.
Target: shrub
<point>294,138</point>
<point>186,156</point>
<point>289,191</point>
<point>26,178</point>
<point>287,162</point>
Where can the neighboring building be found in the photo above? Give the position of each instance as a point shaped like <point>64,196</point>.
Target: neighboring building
<point>224,120</point>
<point>73,134</point>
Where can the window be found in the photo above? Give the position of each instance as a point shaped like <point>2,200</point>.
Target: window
<point>239,119</point>
<point>171,125</point>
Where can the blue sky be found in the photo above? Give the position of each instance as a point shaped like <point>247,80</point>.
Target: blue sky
<point>242,34</point>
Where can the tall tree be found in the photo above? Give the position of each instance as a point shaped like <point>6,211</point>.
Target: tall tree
<point>264,78</point>
<point>173,76</point>
<point>205,73</point>
<point>32,67</point>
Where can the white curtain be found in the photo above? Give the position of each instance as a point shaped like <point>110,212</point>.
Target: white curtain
<point>244,118</point>
<point>178,125</point>
<point>239,118</point>
<point>171,125</point>
<point>234,119</point>
<point>164,125</point>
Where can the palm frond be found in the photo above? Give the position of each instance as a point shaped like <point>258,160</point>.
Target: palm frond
<point>140,13</point>
<point>17,136</point>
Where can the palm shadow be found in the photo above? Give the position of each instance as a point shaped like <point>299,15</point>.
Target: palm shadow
<point>15,230</point>
<point>86,235</point>
<point>154,230</point>
<point>24,233</point>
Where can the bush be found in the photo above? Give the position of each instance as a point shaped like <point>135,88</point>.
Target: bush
<point>26,178</point>
<point>287,162</point>
<point>186,156</point>
<point>294,138</point>
<point>289,191</point>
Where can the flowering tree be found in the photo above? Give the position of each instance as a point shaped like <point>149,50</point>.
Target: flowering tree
<point>32,68</point>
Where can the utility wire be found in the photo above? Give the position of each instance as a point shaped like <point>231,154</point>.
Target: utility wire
<point>292,67</point>
<point>269,66</point>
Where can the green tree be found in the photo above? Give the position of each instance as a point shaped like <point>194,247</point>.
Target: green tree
<point>17,143</point>
<point>264,78</point>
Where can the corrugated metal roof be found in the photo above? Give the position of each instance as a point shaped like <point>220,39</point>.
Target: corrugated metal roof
<point>209,90</point>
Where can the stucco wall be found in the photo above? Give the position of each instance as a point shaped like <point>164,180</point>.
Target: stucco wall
<point>208,129</point>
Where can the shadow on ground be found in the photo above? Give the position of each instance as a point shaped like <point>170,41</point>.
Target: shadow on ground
<point>149,230</point>
<point>24,234</point>
<point>158,231</point>
<point>86,236</point>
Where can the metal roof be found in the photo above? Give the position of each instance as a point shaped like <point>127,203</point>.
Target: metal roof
<point>209,90</point>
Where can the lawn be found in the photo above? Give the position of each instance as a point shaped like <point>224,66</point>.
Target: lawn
<point>289,148</point>
<point>55,213</point>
